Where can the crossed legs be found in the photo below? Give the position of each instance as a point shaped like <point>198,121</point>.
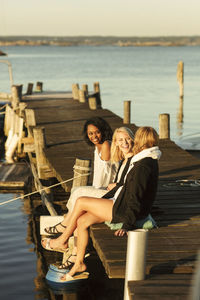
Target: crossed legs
<point>87,211</point>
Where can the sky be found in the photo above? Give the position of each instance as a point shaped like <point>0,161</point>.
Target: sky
<point>100,17</point>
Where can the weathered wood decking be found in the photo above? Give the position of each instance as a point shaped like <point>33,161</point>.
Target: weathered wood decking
<point>173,247</point>
<point>16,175</point>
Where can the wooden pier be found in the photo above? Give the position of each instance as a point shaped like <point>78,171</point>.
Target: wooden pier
<point>173,247</point>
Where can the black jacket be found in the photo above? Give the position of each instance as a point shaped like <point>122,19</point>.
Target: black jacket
<point>138,193</point>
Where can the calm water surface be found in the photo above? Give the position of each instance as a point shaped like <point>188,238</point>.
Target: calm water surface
<point>144,75</point>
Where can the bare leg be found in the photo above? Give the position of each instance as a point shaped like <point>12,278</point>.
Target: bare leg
<point>100,208</point>
<point>83,223</point>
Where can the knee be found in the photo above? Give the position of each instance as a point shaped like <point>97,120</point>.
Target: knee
<point>79,201</point>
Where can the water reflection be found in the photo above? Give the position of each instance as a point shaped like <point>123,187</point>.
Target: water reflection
<point>180,118</point>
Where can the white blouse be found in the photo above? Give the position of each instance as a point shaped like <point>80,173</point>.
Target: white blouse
<point>104,171</point>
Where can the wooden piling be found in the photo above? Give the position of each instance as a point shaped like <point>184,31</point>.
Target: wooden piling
<point>7,120</point>
<point>81,167</point>
<point>92,101</point>
<point>85,89</point>
<point>39,87</point>
<point>82,97</point>
<point>180,78</point>
<point>29,89</point>
<point>44,172</point>
<point>16,92</point>
<point>96,87</point>
<point>127,112</point>
<point>75,91</point>
<point>164,126</point>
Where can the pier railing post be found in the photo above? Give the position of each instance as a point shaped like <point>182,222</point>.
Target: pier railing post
<point>75,91</point>
<point>16,92</point>
<point>92,102</point>
<point>29,89</point>
<point>164,126</point>
<point>96,87</point>
<point>85,89</point>
<point>127,112</point>
<point>82,97</point>
<point>39,87</point>
<point>81,167</point>
<point>135,257</point>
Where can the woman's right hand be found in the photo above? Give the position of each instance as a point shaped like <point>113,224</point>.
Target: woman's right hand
<point>111,186</point>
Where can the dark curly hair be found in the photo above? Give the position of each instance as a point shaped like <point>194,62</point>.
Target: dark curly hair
<point>102,125</point>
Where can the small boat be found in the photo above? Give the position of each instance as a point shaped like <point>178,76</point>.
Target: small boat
<point>53,278</point>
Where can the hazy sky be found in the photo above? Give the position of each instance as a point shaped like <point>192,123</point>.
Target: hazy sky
<point>100,17</point>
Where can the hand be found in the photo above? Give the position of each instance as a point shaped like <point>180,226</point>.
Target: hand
<point>121,232</point>
<point>111,186</point>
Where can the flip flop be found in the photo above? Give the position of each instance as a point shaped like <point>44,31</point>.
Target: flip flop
<point>77,276</point>
<point>48,247</point>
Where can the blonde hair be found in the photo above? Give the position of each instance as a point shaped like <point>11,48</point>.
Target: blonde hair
<point>116,153</point>
<point>145,137</point>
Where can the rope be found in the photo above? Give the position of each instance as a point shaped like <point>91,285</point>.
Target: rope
<point>43,189</point>
<point>81,168</point>
<point>2,107</point>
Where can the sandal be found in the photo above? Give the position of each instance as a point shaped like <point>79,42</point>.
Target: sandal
<point>76,276</point>
<point>67,265</point>
<point>48,247</point>
<point>53,229</point>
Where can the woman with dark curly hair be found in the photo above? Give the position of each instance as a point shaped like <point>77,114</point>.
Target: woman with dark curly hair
<point>98,133</point>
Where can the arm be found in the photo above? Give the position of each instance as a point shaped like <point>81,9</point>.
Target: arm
<point>105,151</point>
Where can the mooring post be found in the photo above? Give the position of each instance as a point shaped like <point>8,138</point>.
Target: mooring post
<point>16,92</point>
<point>135,257</point>
<point>180,78</point>
<point>92,102</point>
<point>127,112</point>
<point>96,87</point>
<point>29,89</point>
<point>75,91</point>
<point>85,89</point>
<point>81,171</point>
<point>39,87</point>
<point>40,144</point>
<point>164,126</point>
<point>8,119</point>
<point>82,97</point>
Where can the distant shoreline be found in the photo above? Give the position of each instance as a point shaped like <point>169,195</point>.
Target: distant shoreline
<point>171,41</point>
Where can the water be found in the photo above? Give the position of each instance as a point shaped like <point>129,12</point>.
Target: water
<point>17,257</point>
<point>144,75</point>
<point>147,76</point>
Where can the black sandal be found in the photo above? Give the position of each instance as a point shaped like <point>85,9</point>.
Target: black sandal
<point>68,264</point>
<point>53,229</point>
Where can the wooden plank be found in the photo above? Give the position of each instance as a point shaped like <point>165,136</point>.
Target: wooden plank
<point>14,175</point>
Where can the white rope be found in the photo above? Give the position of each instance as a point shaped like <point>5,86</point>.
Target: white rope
<point>43,189</point>
<point>2,107</point>
<point>81,168</point>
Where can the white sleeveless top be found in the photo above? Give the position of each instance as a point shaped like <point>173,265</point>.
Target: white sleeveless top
<point>104,171</point>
